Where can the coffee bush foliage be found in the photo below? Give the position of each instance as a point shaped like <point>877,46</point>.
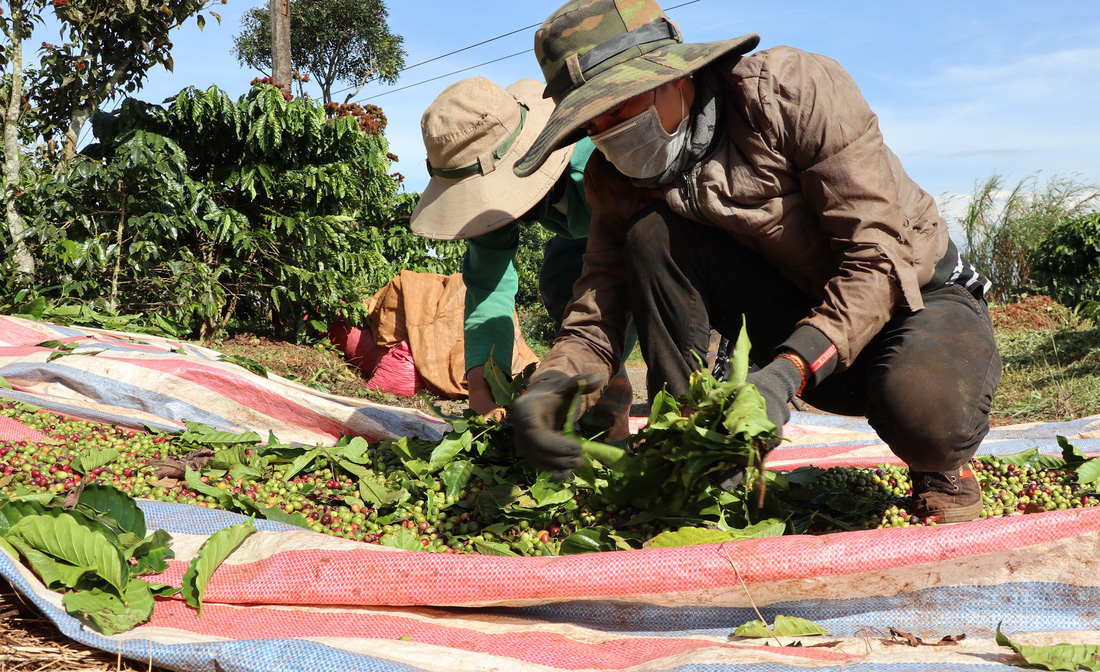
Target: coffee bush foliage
<point>1067,261</point>
<point>259,214</point>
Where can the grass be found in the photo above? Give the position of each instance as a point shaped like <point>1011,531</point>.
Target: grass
<point>1049,374</point>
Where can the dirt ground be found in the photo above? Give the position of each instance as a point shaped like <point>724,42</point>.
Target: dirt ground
<point>29,642</point>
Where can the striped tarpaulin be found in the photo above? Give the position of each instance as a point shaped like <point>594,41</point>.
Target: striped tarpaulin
<point>290,599</point>
<point>135,380</point>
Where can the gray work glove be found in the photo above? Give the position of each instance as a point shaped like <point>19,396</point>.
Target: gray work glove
<point>539,416</point>
<point>777,382</point>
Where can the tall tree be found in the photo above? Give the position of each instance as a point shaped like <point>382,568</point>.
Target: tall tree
<point>333,41</point>
<point>16,25</point>
<point>109,46</point>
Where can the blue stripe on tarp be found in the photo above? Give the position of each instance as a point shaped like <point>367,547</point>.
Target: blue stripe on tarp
<point>116,393</point>
<point>295,655</point>
<point>1024,607</point>
<point>262,655</point>
<point>81,412</point>
<point>931,612</point>
<point>193,519</point>
<point>990,447</point>
<point>1046,446</point>
<point>292,655</point>
<point>852,667</point>
<point>858,424</point>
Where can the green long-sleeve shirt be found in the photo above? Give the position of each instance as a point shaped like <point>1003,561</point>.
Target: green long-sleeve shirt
<point>490,276</point>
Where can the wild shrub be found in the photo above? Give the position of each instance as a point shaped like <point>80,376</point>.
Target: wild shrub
<point>1000,227</point>
<point>1067,261</point>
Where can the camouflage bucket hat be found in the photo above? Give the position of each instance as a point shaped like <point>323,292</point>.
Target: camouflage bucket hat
<point>597,54</point>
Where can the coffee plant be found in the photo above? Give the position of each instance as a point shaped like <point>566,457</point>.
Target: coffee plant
<point>260,213</point>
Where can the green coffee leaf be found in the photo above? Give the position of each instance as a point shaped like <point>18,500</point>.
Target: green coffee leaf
<point>615,459</point>
<point>493,548</point>
<point>245,362</point>
<point>151,554</point>
<point>12,510</point>
<point>108,503</point>
<point>229,457</point>
<point>447,449</point>
<point>6,546</point>
<point>211,554</point>
<point>1088,471</point>
<point>55,574</point>
<point>1056,656</point>
<point>500,383</point>
<point>94,458</point>
<point>272,513</point>
<point>739,360</point>
<point>1070,454</point>
<point>205,434</point>
<point>551,493</point>
<point>785,626</point>
<point>106,612</point>
<point>693,536</point>
<point>404,539</point>
<point>455,476</point>
<point>357,450</point>
<point>377,495</point>
<point>65,539</point>
<point>195,482</point>
<point>588,540</point>
<point>301,462</point>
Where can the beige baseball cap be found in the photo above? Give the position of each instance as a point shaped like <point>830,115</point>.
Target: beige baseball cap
<point>474,133</point>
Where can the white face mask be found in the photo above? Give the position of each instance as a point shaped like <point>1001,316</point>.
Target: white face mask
<point>640,147</point>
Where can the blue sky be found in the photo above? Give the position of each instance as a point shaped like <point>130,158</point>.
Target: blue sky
<point>963,89</point>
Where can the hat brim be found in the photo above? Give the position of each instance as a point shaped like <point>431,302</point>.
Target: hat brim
<point>620,83</point>
<point>453,209</point>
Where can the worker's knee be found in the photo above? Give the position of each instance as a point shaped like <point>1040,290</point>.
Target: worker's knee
<point>935,423</point>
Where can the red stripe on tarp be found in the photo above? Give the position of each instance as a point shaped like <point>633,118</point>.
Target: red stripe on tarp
<point>130,345</point>
<point>12,331</point>
<point>529,647</point>
<point>377,578</point>
<point>13,430</point>
<point>240,389</point>
<point>785,463</point>
<point>819,452</point>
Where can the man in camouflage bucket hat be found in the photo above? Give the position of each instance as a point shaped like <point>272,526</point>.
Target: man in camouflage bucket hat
<point>759,186</point>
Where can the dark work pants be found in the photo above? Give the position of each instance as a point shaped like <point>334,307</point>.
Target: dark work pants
<point>925,382</point>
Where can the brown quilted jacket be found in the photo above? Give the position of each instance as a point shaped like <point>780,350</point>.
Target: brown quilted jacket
<point>800,175</point>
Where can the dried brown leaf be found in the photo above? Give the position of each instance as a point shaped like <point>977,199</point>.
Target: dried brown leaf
<point>907,637</point>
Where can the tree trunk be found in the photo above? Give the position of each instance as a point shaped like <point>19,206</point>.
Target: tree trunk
<point>112,303</point>
<point>82,114</point>
<point>280,42</point>
<point>21,256</point>
<point>72,135</point>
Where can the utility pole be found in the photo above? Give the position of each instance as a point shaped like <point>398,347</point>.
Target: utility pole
<point>280,42</point>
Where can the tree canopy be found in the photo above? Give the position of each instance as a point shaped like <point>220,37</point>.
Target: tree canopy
<point>332,41</point>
